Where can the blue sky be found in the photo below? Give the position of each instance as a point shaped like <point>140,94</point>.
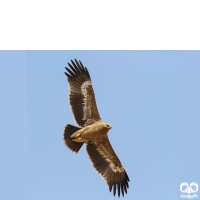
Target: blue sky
<point>151,99</point>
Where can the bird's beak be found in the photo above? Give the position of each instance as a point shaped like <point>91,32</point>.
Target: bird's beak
<point>110,126</point>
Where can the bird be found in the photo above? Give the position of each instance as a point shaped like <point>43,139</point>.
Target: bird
<point>92,130</point>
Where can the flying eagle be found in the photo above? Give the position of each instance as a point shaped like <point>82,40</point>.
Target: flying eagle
<point>93,131</point>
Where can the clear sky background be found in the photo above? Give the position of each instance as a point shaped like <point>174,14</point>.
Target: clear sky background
<point>151,99</point>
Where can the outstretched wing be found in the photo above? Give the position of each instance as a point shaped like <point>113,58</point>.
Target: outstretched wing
<point>108,165</point>
<point>81,95</point>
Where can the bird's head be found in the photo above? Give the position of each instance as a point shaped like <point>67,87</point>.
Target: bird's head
<point>108,126</point>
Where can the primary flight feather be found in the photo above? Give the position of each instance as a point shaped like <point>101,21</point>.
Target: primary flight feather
<point>93,131</point>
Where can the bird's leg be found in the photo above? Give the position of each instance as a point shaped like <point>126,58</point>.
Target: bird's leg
<point>76,134</point>
<point>76,137</point>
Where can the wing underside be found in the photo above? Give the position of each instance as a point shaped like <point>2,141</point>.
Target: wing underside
<point>81,95</point>
<point>108,165</point>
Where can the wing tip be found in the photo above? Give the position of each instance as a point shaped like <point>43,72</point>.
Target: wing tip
<point>121,187</point>
<point>76,68</point>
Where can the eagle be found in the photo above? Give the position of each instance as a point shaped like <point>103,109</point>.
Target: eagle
<point>92,130</point>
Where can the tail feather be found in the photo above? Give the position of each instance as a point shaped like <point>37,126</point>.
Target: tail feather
<point>68,131</point>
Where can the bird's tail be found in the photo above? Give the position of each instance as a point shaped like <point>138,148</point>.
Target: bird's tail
<point>68,131</point>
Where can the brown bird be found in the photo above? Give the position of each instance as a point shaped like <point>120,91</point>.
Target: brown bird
<point>93,131</point>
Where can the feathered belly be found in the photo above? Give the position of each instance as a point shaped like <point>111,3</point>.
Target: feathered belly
<point>92,134</point>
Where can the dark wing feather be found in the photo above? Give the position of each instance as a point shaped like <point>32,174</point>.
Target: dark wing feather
<point>81,94</point>
<point>108,165</point>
